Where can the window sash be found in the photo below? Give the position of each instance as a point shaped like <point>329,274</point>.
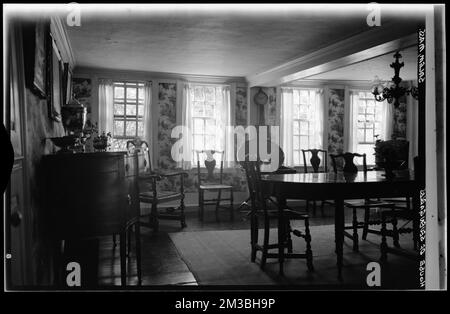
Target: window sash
<point>128,100</point>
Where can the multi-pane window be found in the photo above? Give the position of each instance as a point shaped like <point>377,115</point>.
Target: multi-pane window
<point>206,101</point>
<point>369,124</point>
<point>304,111</point>
<point>128,110</point>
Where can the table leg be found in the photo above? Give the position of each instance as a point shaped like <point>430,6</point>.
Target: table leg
<point>281,234</point>
<point>339,234</point>
<point>123,260</point>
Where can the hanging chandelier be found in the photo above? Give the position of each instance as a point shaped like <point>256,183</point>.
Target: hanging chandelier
<point>392,91</point>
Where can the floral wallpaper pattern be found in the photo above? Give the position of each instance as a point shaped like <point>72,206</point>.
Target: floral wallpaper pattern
<point>241,106</point>
<point>336,103</point>
<point>399,128</point>
<point>270,110</point>
<point>336,121</point>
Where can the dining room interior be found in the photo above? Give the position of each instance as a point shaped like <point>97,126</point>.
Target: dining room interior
<point>181,146</point>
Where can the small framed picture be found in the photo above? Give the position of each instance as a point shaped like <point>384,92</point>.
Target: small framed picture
<point>37,43</point>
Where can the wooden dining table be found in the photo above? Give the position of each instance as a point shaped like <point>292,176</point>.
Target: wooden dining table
<point>337,187</point>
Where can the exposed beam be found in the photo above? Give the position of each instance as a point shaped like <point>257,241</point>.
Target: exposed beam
<point>364,46</point>
<point>59,33</point>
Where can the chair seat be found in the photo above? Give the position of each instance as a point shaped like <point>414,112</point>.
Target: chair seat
<point>161,196</point>
<point>287,213</point>
<point>364,204</point>
<point>215,187</point>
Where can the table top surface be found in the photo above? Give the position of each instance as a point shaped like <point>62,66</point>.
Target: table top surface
<point>341,178</point>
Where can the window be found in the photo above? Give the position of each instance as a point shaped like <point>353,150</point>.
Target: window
<point>206,101</point>
<point>301,123</point>
<point>128,111</point>
<point>369,124</point>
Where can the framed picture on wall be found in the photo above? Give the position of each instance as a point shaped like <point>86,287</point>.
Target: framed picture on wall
<point>36,47</point>
<point>55,75</point>
<point>67,84</point>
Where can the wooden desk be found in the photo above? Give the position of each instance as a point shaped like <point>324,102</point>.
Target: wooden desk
<point>338,187</point>
<point>90,195</point>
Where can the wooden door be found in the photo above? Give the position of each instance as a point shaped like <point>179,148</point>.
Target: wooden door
<point>17,227</point>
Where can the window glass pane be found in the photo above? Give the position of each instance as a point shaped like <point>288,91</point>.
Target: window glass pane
<point>296,142</point>
<point>131,93</point>
<point>370,103</point>
<point>304,128</point>
<point>198,142</point>
<point>141,111</point>
<point>370,110</point>
<point>361,95</point>
<point>370,118</point>
<point>361,118</point>
<point>369,135</point>
<point>296,157</point>
<point>361,109</point>
<point>118,128</point>
<point>198,126</point>
<point>141,93</point>
<point>198,109</point>
<point>377,126</point>
<point>119,109</point>
<point>131,110</point>
<point>130,128</point>
<point>210,142</point>
<point>360,135</point>
<point>304,142</point>
<point>296,97</point>
<point>210,127</point>
<point>140,128</point>
<point>118,92</point>
<point>209,109</point>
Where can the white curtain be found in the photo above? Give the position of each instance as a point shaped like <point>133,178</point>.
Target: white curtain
<point>317,120</point>
<point>105,104</point>
<point>351,135</point>
<point>224,118</point>
<point>287,104</point>
<point>188,124</point>
<point>387,121</point>
<point>147,118</point>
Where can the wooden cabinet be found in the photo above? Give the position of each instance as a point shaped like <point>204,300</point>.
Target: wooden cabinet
<point>90,195</point>
<point>87,194</point>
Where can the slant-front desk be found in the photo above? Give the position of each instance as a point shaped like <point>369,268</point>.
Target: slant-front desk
<point>90,195</point>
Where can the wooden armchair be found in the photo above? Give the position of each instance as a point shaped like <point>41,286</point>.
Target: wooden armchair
<point>148,192</point>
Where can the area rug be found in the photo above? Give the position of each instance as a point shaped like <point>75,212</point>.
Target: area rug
<point>223,258</point>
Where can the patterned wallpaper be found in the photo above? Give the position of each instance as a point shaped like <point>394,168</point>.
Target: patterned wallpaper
<point>241,105</point>
<point>399,128</point>
<point>336,103</point>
